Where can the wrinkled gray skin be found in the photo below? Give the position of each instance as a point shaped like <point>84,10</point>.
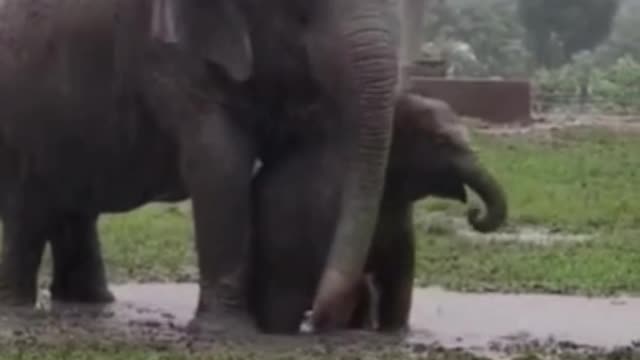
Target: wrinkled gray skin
<point>97,117</point>
<point>430,156</point>
<point>85,122</point>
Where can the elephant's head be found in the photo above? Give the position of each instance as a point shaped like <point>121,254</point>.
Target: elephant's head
<point>216,30</point>
<point>431,155</point>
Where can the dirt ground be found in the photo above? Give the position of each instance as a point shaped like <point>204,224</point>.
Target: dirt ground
<point>487,325</point>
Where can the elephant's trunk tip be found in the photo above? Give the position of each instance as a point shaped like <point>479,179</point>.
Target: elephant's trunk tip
<point>325,308</point>
<point>491,193</point>
<point>489,220</point>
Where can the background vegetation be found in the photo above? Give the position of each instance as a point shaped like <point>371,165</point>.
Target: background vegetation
<point>580,54</point>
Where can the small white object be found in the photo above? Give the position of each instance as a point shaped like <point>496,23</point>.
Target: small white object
<point>306,327</point>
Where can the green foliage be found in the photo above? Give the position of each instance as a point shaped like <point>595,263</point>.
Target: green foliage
<point>489,28</point>
<point>514,38</point>
<point>618,86</point>
<point>625,38</point>
<point>556,30</point>
<point>611,88</point>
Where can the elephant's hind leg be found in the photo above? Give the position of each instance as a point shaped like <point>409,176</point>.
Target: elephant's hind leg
<point>78,267</point>
<point>24,237</point>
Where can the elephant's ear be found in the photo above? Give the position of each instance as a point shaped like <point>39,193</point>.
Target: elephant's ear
<point>214,29</point>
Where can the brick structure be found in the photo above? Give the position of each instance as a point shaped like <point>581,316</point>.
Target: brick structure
<point>428,68</point>
<point>497,101</point>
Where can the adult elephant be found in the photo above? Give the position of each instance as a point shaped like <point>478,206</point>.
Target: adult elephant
<point>430,156</point>
<point>97,115</point>
<point>325,76</point>
<point>82,110</point>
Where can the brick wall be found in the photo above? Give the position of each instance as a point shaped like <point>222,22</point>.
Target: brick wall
<point>497,101</point>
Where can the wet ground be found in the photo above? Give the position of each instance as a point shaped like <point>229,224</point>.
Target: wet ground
<point>538,235</point>
<point>487,324</point>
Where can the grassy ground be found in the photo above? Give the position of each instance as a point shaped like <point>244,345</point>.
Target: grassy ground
<point>580,181</point>
<point>575,181</point>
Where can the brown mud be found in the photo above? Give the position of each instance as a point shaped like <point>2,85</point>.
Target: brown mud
<point>156,315</point>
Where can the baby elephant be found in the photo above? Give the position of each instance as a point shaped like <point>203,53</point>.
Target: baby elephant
<point>430,156</point>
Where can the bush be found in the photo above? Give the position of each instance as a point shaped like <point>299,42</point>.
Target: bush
<point>617,87</point>
<point>613,88</point>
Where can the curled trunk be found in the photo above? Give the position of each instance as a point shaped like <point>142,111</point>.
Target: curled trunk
<point>490,191</point>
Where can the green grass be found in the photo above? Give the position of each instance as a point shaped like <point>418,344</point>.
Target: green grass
<point>582,181</point>
<point>579,181</point>
<point>154,243</point>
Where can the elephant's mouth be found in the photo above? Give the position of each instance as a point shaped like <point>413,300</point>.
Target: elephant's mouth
<point>454,190</point>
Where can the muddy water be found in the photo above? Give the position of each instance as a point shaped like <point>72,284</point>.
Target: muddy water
<point>158,313</point>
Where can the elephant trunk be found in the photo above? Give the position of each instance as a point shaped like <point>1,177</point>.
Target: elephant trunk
<point>369,56</point>
<point>490,191</point>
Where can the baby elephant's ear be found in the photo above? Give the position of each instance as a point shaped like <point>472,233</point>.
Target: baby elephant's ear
<point>214,29</point>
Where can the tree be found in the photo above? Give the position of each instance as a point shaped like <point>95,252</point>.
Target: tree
<point>558,29</point>
<point>624,39</point>
<point>489,29</point>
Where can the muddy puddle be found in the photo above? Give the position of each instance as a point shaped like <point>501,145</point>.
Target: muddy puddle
<point>157,315</point>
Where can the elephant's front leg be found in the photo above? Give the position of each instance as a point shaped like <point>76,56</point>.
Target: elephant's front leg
<point>78,267</point>
<point>297,201</point>
<point>24,229</point>
<point>217,164</point>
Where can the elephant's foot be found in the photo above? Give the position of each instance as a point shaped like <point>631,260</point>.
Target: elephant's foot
<point>98,294</point>
<point>216,315</point>
<point>15,296</point>
<point>221,322</point>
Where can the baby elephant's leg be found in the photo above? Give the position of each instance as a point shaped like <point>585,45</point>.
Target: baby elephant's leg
<point>394,274</point>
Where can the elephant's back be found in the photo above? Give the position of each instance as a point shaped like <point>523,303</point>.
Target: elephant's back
<point>32,30</point>
<point>65,63</point>
<point>67,98</point>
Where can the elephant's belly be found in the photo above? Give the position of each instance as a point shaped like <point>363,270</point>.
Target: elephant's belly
<point>115,178</point>
<point>123,200</point>
<point>118,193</point>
